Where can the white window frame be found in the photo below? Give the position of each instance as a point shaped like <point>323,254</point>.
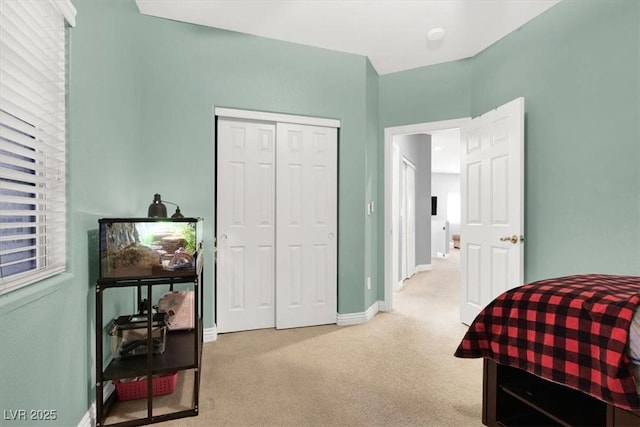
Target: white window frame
<point>32,140</point>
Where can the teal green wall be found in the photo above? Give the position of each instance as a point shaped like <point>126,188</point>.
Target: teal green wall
<point>371,183</point>
<point>142,92</point>
<point>427,94</point>
<point>46,330</point>
<point>141,97</point>
<point>188,70</point>
<point>576,65</point>
<point>577,68</point>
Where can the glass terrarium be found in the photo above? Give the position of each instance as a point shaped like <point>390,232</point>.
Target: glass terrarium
<point>149,247</point>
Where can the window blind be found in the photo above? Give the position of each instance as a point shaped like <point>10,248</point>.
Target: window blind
<point>32,140</point>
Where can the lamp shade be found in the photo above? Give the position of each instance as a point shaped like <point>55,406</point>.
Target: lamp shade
<point>157,209</point>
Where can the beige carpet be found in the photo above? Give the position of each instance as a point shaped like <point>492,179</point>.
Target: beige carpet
<point>396,370</point>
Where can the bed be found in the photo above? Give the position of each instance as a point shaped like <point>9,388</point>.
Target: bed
<point>561,351</point>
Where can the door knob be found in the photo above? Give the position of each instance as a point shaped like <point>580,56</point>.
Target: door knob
<point>513,239</point>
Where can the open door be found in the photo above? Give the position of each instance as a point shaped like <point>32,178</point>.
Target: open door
<point>492,216</point>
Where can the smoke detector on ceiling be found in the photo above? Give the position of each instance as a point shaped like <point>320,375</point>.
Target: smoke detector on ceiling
<point>435,34</point>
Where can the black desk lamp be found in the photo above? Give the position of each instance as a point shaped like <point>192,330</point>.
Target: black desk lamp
<point>157,209</point>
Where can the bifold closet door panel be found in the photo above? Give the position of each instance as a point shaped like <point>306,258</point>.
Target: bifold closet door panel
<point>306,225</point>
<point>245,215</point>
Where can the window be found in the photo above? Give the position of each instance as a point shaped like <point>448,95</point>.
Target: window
<point>453,208</point>
<point>32,140</point>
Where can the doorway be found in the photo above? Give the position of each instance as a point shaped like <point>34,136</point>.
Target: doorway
<point>392,227</point>
<point>408,218</point>
<point>445,192</point>
<point>492,203</point>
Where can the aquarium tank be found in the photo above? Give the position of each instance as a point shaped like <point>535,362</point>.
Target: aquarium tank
<point>149,247</point>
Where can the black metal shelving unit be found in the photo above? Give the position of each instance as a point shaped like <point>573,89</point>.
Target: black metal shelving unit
<point>182,353</point>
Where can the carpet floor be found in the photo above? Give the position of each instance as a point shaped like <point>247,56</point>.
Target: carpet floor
<point>396,370</point>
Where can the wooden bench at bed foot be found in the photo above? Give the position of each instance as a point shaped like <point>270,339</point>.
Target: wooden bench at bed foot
<point>513,397</point>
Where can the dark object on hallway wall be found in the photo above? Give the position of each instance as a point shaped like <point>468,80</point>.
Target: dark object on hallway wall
<point>434,205</point>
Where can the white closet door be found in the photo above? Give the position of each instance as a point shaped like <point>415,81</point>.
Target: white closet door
<point>245,215</point>
<point>306,238</point>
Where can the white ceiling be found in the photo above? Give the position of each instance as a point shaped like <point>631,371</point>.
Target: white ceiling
<point>445,151</point>
<point>392,33</point>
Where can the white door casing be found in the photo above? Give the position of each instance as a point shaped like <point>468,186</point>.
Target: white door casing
<point>306,238</point>
<point>410,217</point>
<point>395,212</point>
<point>245,215</point>
<point>492,207</point>
<point>403,222</point>
<point>391,280</point>
<point>248,190</point>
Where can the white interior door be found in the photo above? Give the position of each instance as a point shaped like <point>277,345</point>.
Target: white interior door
<point>245,215</point>
<point>306,238</point>
<point>492,216</point>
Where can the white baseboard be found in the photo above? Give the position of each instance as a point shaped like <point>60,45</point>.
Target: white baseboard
<point>383,306</point>
<point>423,267</point>
<point>210,334</point>
<point>89,419</point>
<point>416,270</point>
<point>359,318</point>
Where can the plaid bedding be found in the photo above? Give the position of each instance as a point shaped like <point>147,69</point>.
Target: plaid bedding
<point>571,330</point>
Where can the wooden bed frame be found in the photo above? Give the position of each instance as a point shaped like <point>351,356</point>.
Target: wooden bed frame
<point>513,397</point>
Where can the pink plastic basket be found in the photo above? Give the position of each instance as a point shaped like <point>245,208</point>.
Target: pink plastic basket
<point>130,390</point>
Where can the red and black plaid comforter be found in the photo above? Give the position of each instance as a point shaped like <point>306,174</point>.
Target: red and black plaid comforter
<point>572,330</point>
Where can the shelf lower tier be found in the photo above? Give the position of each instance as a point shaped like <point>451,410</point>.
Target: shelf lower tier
<point>181,402</point>
<point>180,353</point>
<point>154,419</point>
